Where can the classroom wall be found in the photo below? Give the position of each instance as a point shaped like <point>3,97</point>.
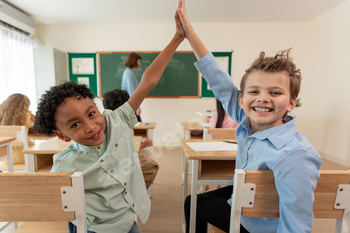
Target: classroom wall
<point>326,85</point>
<point>245,39</point>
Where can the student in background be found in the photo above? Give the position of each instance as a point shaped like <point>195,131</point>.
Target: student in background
<point>15,111</point>
<point>221,119</point>
<point>113,100</point>
<point>266,136</point>
<point>129,81</point>
<point>103,147</point>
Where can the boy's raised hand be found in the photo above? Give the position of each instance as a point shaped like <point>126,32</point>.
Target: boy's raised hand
<point>197,45</point>
<point>179,30</point>
<point>181,11</point>
<point>154,71</point>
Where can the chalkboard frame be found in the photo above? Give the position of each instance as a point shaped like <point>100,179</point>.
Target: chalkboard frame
<point>146,52</point>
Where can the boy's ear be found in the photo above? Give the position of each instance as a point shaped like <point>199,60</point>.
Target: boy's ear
<point>61,135</point>
<point>240,100</point>
<point>291,105</point>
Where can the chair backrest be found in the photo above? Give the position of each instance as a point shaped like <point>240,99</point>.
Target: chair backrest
<point>331,195</point>
<point>219,133</point>
<point>20,132</point>
<point>43,197</point>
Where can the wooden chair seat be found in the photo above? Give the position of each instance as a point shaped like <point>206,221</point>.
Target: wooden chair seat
<point>214,229</point>
<point>43,227</point>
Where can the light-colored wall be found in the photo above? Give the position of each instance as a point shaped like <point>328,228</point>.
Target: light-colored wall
<point>320,49</point>
<point>245,39</point>
<point>326,85</point>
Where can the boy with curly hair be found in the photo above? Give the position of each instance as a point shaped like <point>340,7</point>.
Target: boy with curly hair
<point>266,136</point>
<point>103,147</point>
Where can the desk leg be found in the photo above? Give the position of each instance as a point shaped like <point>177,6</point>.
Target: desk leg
<point>30,164</point>
<point>186,136</point>
<point>150,136</point>
<point>184,190</point>
<point>9,157</point>
<point>150,149</point>
<point>194,196</point>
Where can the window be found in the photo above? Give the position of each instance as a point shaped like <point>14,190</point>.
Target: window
<point>17,66</point>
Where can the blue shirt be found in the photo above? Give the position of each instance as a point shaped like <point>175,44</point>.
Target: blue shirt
<point>113,181</point>
<point>129,81</point>
<point>293,160</point>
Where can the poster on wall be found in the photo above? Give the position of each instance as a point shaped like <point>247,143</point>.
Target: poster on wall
<point>83,66</point>
<point>224,59</point>
<point>84,80</point>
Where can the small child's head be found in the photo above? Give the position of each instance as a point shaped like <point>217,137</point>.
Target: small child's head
<point>114,99</point>
<point>269,89</point>
<point>68,111</point>
<point>13,110</point>
<point>133,60</point>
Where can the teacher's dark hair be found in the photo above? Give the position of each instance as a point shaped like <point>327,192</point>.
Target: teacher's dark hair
<point>131,60</point>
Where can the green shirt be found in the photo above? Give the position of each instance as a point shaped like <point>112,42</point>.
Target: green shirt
<point>114,186</point>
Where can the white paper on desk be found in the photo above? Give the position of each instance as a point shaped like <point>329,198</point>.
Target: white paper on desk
<point>205,124</point>
<point>212,146</point>
<point>137,124</point>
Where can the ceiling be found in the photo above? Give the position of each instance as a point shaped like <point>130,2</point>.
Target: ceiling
<point>55,12</point>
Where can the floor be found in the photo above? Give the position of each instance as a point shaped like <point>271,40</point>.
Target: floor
<point>166,210</point>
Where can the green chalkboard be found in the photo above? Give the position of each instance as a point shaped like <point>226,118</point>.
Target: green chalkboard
<point>82,69</point>
<point>180,77</point>
<point>225,59</point>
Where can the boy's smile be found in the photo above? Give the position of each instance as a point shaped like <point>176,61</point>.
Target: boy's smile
<point>80,120</point>
<point>266,99</point>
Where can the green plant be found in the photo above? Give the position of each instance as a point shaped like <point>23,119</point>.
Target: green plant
<point>298,103</point>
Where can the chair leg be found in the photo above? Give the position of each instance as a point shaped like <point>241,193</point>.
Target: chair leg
<point>237,200</point>
<point>14,226</point>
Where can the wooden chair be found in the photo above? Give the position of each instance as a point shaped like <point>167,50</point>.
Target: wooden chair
<point>45,202</point>
<point>20,132</point>
<point>255,195</point>
<point>219,133</point>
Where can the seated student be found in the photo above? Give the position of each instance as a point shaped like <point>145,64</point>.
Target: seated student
<point>267,139</point>
<point>15,111</point>
<point>103,147</point>
<point>113,100</point>
<point>221,119</point>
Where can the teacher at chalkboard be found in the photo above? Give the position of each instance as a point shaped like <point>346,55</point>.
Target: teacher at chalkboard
<point>129,81</point>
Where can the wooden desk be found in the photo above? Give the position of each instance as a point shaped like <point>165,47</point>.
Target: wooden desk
<point>208,168</point>
<point>191,130</point>
<point>35,136</point>
<point>6,151</point>
<point>44,152</point>
<point>145,131</point>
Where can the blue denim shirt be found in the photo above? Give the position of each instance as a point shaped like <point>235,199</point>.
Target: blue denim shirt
<point>129,81</point>
<point>293,160</point>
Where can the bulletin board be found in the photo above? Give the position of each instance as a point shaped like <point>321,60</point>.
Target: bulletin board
<point>82,69</point>
<point>225,60</point>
